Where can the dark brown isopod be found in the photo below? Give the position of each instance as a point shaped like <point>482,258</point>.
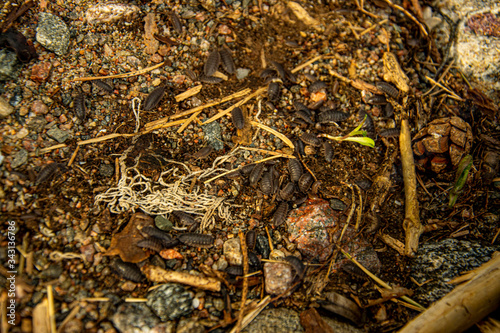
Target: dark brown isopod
<point>304,116</point>
<point>154,232</point>
<point>388,110</point>
<point>295,169</point>
<point>305,182</point>
<point>234,270</point>
<point>316,86</point>
<point>197,240</point>
<point>151,243</point>
<point>79,107</point>
<point>103,86</point>
<point>253,260</point>
<point>184,218</point>
<point>210,79</point>
<point>154,98</point>
<point>251,237</point>
<point>297,264</point>
<point>388,88</point>
<point>247,169</point>
<point>390,133</point>
<point>280,214</point>
<point>267,73</point>
<point>192,75</point>
<point>203,153</point>
<point>176,22</point>
<point>316,186</point>
<point>299,146</point>
<point>331,116</point>
<point>273,91</point>
<point>47,172</point>
<point>364,183</point>
<point>212,64</point>
<point>128,270</point>
<point>377,100</point>
<point>234,174</point>
<point>266,183</point>
<point>290,76</point>
<point>165,40</point>
<point>280,69</point>
<point>237,117</point>
<point>256,173</point>
<point>369,125</point>
<point>287,192</point>
<point>227,60</point>
<point>301,107</point>
<point>327,150</point>
<point>310,139</point>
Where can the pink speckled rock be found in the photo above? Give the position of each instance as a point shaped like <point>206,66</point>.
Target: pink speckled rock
<point>278,277</point>
<point>310,227</point>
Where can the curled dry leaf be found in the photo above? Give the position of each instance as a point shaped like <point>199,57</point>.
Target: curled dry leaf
<point>170,254</point>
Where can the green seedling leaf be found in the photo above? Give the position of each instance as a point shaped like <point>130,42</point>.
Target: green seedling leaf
<point>461,178</point>
<point>365,141</point>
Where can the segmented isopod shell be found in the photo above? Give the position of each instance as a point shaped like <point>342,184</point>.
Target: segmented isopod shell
<point>299,147</point>
<point>47,172</point>
<point>301,107</point>
<point>251,237</point>
<point>390,133</point>
<point>309,150</point>
<point>103,86</point>
<point>151,243</point>
<point>369,126</point>
<point>331,116</point>
<point>388,110</point>
<point>212,64</point>
<point>154,232</point>
<point>267,73</point>
<point>295,169</point>
<point>210,79</point>
<point>237,117</point>
<point>316,86</point>
<point>273,91</point>
<point>327,150</point>
<point>377,100</point>
<point>290,76</point>
<point>203,152</point>
<point>128,270</point>
<point>256,173</point>
<point>304,116</point>
<point>280,69</point>
<point>184,218</point>
<point>310,139</point>
<point>234,270</point>
<point>298,266</point>
<point>305,182</point>
<point>266,183</point>
<point>234,174</point>
<point>364,183</point>
<point>192,75</point>
<point>154,98</point>
<point>280,214</point>
<point>287,192</point>
<point>176,22</point>
<point>197,240</point>
<point>253,260</point>
<point>316,186</point>
<point>79,107</point>
<point>388,88</point>
<point>247,169</point>
<point>227,60</point>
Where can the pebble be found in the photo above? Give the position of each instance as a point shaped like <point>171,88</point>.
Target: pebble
<point>106,170</point>
<point>232,252</point>
<point>58,135</point>
<point>41,71</point>
<point>262,246</point>
<point>170,301</point>
<point>337,204</point>
<point>52,33</point>
<point>134,317</point>
<point>219,304</point>
<point>242,73</point>
<point>213,135</point>
<point>276,320</point>
<point>5,108</point>
<point>19,158</point>
<point>163,223</point>
<point>39,108</point>
<point>36,124</point>
<point>9,66</point>
<point>278,277</point>
<point>190,325</point>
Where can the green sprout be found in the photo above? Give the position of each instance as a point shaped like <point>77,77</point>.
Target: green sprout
<point>362,140</point>
<point>460,179</point>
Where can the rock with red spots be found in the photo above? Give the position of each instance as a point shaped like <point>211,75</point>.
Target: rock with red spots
<point>41,72</point>
<point>315,228</point>
<point>278,277</point>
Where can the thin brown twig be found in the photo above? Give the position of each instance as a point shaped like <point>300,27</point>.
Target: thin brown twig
<point>244,293</point>
<point>119,76</point>
<point>407,13</point>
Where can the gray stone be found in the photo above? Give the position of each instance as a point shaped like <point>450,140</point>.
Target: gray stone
<point>190,325</point>
<point>19,158</point>
<point>340,326</point>
<point>436,263</point>
<point>219,304</point>
<point>134,317</point>
<point>278,277</point>
<point>106,170</point>
<point>9,66</point>
<point>278,320</point>
<point>170,301</point>
<point>242,73</point>
<point>232,252</point>
<point>36,124</point>
<point>58,134</point>
<point>52,33</point>
<point>213,135</point>
<point>5,108</point>
<point>163,223</point>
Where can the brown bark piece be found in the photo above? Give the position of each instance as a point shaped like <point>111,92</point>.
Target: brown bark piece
<point>157,274</point>
<point>313,323</point>
<point>150,29</point>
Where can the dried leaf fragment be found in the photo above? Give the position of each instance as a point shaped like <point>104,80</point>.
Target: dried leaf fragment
<point>303,15</point>
<point>393,72</point>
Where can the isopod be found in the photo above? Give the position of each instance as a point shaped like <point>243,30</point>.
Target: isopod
<point>234,270</point>
<point>267,73</point>
<point>304,116</point>
<point>151,243</point>
<point>256,173</point>
<point>301,107</point>
<point>390,133</point>
<point>253,260</point>
<point>331,116</point>
<point>310,139</point>
<point>103,86</point>
<point>212,64</point>
<point>368,125</point>
<point>128,271</point>
<point>299,146</point>
<point>203,153</point>
<point>377,100</point>
<point>197,240</point>
<point>154,98</point>
<point>266,183</point>
<point>154,232</point>
<point>316,86</point>
<point>176,22</point>
<point>280,69</point>
<point>79,106</point>
<point>227,60</point>
<point>184,218</point>
<point>388,110</point>
<point>210,79</point>
<point>273,91</point>
<point>298,266</point>
<point>237,117</point>
<point>388,88</point>
<point>316,186</point>
<point>280,214</point>
<point>287,192</point>
<point>305,182</point>
<point>327,150</point>
<point>251,237</point>
<point>192,75</point>
<point>295,169</point>
<point>47,172</point>
<point>247,169</point>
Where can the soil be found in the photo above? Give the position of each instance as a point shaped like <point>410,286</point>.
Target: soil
<point>60,215</point>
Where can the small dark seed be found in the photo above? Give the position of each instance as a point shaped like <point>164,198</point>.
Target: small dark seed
<point>212,64</point>
<point>128,270</point>
<point>310,139</point>
<point>256,173</point>
<point>364,183</point>
<point>280,214</point>
<point>298,266</point>
<point>154,98</point>
<point>388,88</point>
<point>390,133</point>
<point>237,117</point>
<point>197,240</point>
<point>176,22</point>
<point>295,169</point>
<point>316,86</point>
<point>227,60</point>
<point>305,182</point>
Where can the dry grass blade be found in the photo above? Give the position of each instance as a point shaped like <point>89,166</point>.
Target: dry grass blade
<point>275,133</point>
<point>307,63</point>
<point>444,88</point>
<point>51,312</point>
<point>245,280</point>
<point>187,122</point>
<point>188,93</point>
<point>119,76</point>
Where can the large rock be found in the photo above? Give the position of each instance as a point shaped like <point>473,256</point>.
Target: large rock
<point>52,33</point>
